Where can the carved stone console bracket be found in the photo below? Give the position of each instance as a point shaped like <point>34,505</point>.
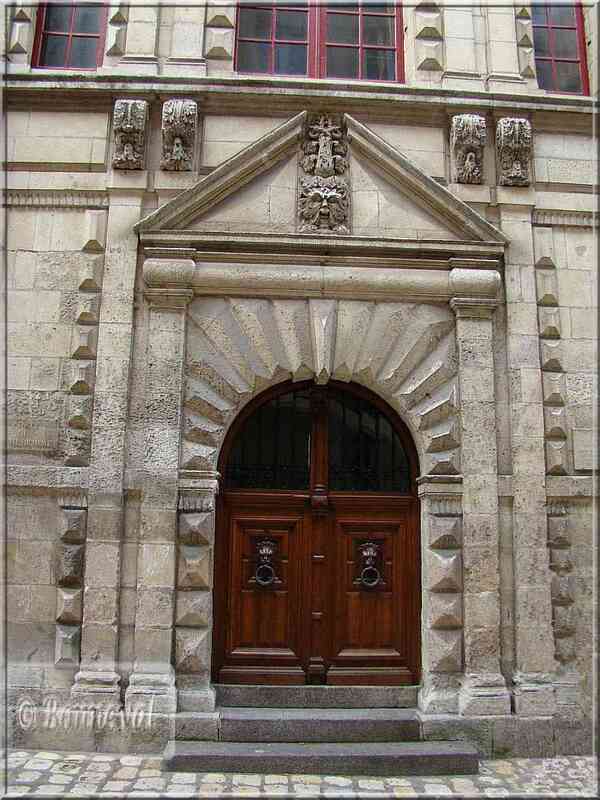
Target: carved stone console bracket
<point>179,128</point>
<point>468,136</point>
<point>130,121</point>
<point>513,148</point>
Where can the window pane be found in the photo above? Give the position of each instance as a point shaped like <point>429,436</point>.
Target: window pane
<point>540,40</point>
<point>342,62</point>
<point>54,51</point>
<point>538,15</point>
<point>255,23</point>
<point>379,65</point>
<point>544,75</point>
<point>253,57</point>
<point>290,59</point>
<point>291,25</point>
<point>380,8</point>
<point>83,52</point>
<point>378,30</point>
<point>58,18</point>
<point>569,77</point>
<point>565,44</point>
<point>87,19</point>
<point>342,28</point>
<point>562,15</point>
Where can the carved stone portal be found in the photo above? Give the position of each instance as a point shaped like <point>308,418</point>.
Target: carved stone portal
<point>324,199</point>
<point>467,139</point>
<point>179,125</point>
<point>130,119</point>
<point>513,147</point>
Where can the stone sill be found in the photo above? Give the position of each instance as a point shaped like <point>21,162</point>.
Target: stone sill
<point>278,92</point>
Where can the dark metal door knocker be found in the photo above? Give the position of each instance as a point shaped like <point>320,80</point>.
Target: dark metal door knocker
<point>369,575</point>
<point>265,574</point>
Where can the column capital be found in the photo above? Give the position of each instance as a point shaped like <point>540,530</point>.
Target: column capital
<point>197,490</point>
<point>169,299</point>
<point>473,307</point>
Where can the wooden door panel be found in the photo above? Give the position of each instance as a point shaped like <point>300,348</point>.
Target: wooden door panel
<point>263,641</point>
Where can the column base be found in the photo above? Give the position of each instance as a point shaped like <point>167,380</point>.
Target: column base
<point>139,65</point>
<point>534,694</point>
<point>439,694</point>
<point>196,699</point>
<point>484,694</point>
<point>154,692</point>
<point>96,688</point>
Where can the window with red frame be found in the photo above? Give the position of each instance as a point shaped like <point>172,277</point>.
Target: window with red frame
<point>361,41</point>
<point>559,45</point>
<point>70,36</point>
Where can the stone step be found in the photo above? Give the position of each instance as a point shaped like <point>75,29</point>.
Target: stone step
<point>247,696</point>
<point>364,758</point>
<point>319,725</point>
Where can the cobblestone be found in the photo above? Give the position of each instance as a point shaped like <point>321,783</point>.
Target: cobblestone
<point>104,775</point>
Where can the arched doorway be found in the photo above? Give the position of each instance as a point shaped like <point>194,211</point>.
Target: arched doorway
<point>317,552</point>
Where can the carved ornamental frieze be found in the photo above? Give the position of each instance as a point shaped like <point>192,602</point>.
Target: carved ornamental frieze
<point>513,148</point>
<point>467,140</point>
<point>179,126</point>
<point>130,120</point>
<point>324,199</point>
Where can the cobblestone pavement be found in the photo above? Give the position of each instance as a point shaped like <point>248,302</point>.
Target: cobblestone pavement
<point>80,775</point>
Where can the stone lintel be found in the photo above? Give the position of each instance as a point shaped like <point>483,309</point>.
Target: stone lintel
<point>182,276</point>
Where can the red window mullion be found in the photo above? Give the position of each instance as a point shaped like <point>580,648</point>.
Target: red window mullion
<point>70,38</point>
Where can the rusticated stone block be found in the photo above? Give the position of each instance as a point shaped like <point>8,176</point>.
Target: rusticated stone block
<point>80,376</point>
<point>445,611</point>
<point>194,568</point>
<point>69,564</point>
<point>543,239</point>
<point>219,43</point>
<point>192,650</point>
<point>551,355</point>
<point>194,609</point>
<point>558,532</point>
<point>68,606</point>
<point>564,621</point>
<point>445,571</point>
<point>88,309</point>
<point>565,649</point>
<point>555,422</point>
<point>445,650</point>
<point>445,533</point>
<point>79,411</point>
<point>74,525</point>
<point>77,447</point>
<point>547,287</point>
<point>549,322</point>
<point>554,388</point>
<point>556,458</point>
<point>562,589</point>
<point>67,645</point>
<point>197,529</point>
<point>84,342</point>
<point>560,560</point>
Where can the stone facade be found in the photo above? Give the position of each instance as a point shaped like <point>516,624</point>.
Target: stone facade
<point>179,240</point>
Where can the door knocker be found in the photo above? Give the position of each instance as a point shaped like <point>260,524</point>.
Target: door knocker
<point>369,575</point>
<point>264,574</point>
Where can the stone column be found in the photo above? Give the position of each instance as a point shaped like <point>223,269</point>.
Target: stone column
<point>442,612</point>
<point>153,676</point>
<point>461,56</point>
<point>501,47</point>
<point>483,691</point>
<point>528,393</point>
<point>142,40</point>
<point>98,678</point>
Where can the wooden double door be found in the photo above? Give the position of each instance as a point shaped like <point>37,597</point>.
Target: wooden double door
<point>318,581</point>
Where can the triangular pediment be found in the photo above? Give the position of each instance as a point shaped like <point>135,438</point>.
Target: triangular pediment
<point>255,192</point>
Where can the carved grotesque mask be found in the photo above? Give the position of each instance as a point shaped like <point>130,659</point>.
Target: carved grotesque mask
<point>324,205</point>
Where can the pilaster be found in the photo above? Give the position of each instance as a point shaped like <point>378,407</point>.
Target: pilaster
<point>142,39</point>
<point>153,675</point>
<point>98,679</point>
<point>483,689</point>
<point>187,35</point>
<point>533,694</point>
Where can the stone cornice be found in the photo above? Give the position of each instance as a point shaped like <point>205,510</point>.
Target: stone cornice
<point>243,94</point>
